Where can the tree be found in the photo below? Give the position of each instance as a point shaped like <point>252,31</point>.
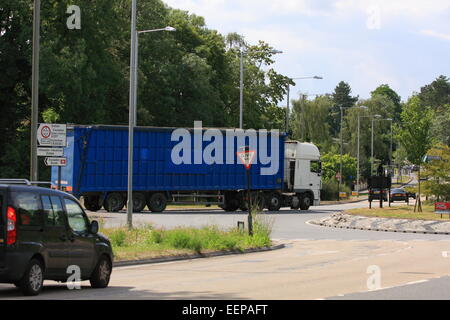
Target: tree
<point>437,96</point>
<point>341,98</point>
<point>386,91</point>
<point>309,120</point>
<point>415,135</point>
<point>437,173</point>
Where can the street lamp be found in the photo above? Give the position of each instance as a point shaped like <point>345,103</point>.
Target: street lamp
<point>288,91</point>
<point>132,108</point>
<point>168,28</point>
<point>377,116</point>
<point>241,86</point>
<point>35,90</point>
<point>342,151</point>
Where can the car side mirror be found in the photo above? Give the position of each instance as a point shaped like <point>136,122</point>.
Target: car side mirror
<point>94,227</point>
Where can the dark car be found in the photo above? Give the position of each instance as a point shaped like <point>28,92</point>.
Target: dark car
<point>398,194</point>
<point>42,233</point>
<point>374,194</point>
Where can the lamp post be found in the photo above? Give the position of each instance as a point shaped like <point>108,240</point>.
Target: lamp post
<point>132,108</point>
<point>342,151</point>
<point>136,51</point>
<point>241,86</point>
<point>288,92</point>
<point>377,116</point>
<point>35,91</point>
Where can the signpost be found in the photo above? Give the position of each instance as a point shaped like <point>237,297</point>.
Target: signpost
<point>442,208</point>
<point>58,162</point>
<point>247,157</point>
<point>51,137</point>
<point>50,152</point>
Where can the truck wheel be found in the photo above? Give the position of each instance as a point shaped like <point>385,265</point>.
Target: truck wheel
<point>157,202</point>
<point>274,202</point>
<point>139,202</point>
<point>114,202</point>
<point>305,202</point>
<point>91,203</point>
<point>230,205</point>
<point>295,202</point>
<point>33,279</point>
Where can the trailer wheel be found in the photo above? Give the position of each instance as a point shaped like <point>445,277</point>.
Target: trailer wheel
<point>305,201</point>
<point>274,202</point>
<point>91,203</point>
<point>139,202</point>
<point>157,202</point>
<point>114,202</point>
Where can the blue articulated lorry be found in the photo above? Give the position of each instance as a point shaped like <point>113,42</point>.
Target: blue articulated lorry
<point>186,166</point>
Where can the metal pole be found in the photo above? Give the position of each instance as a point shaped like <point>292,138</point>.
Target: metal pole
<point>340,170</point>
<point>136,78</point>
<point>371,153</point>
<point>35,91</point>
<point>390,151</point>
<point>241,89</point>
<point>249,201</point>
<point>287,109</point>
<point>59,178</point>
<point>131,116</point>
<point>357,168</point>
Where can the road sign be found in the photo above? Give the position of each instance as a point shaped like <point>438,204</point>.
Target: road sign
<point>338,176</point>
<point>58,162</point>
<point>52,135</point>
<point>50,152</point>
<point>246,157</point>
<point>442,207</point>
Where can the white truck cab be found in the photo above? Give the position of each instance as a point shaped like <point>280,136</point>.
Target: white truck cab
<point>303,171</point>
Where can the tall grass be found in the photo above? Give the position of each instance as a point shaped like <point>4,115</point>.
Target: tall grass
<point>145,240</point>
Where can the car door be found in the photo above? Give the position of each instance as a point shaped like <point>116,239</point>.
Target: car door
<point>55,237</point>
<point>82,242</point>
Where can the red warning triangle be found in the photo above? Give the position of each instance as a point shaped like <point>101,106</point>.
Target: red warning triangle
<point>246,158</point>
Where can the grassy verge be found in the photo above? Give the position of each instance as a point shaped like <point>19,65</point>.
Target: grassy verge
<point>146,242</point>
<point>400,212</point>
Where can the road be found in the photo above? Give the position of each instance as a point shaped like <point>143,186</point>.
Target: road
<point>317,263</point>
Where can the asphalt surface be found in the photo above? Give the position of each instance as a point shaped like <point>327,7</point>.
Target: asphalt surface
<point>287,224</point>
<point>318,263</point>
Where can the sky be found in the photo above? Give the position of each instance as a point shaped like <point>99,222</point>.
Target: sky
<point>366,43</point>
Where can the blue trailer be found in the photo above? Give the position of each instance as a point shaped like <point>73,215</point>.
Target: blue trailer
<point>168,169</point>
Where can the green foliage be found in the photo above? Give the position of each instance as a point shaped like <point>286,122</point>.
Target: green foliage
<point>341,98</point>
<point>414,134</point>
<point>437,173</point>
<point>309,120</point>
<point>386,91</point>
<point>331,165</point>
<point>330,190</point>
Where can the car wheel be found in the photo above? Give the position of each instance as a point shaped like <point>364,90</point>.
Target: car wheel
<point>157,202</point>
<point>102,273</point>
<point>32,281</point>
